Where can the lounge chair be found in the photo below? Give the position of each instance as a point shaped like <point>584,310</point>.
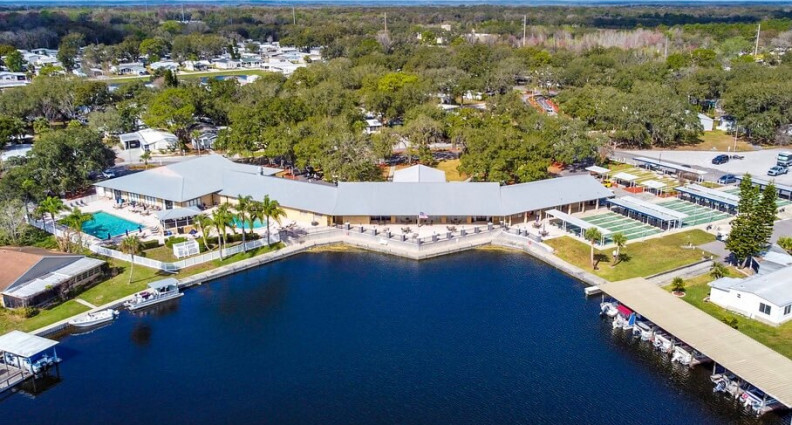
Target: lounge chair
<point>168,233</point>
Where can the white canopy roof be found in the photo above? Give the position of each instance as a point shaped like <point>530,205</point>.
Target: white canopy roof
<point>177,213</point>
<point>625,177</point>
<point>24,344</point>
<point>653,184</point>
<point>585,225</point>
<point>598,170</point>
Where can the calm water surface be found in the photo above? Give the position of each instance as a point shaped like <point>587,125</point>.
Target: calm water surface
<point>482,337</point>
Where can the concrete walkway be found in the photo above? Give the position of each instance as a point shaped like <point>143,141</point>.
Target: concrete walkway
<point>85,303</point>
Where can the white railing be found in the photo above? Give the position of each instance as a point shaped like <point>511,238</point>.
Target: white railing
<point>93,244</point>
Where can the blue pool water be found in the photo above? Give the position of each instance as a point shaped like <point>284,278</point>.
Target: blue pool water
<point>328,338</point>
<point>104,223</point>
<point>256,224</point>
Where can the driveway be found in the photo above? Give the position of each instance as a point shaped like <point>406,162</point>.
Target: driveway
<point>782,228</point>
<point>756,163</point>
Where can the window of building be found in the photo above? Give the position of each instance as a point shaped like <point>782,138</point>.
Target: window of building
<point>787,310</point>
<point>193,202</point>
<point>764,308</point>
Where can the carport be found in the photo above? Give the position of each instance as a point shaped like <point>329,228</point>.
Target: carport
<point>711,198</point>
<point>669,167</point>
<point>784,191</point>
<point>649,213</point>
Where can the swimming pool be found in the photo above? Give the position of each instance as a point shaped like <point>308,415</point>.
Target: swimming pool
<point>104,223</point>
<point>256,224</point>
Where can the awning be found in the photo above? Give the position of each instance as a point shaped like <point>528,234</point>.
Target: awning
<point>24,344</point>
<point>653,184</point>
<point>648,208</point>
<point>177,213</point>
<point>669,165</point>
<point>598,170</point>
<point>624,310</point>
<point>624,177</point>
<point>585,225</point>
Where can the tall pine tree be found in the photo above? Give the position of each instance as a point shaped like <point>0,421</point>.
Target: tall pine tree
<point>744,239</point>
<point>765,214</point>
<point>753,226</point>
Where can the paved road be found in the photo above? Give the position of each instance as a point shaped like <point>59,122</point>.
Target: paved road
<point>756,163</point>
<point>782,228</point>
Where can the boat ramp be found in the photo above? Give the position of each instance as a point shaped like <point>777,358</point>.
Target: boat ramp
<point>747,359</point>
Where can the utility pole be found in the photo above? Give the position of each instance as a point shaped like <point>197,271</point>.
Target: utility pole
<point>665,52</point>
<point>182,5</point>
<point>756,46</point>
<point>525,18</point>
<point>294,16</point>
<point>386,22</point>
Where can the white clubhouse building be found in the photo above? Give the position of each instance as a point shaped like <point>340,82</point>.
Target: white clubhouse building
<point>416,193</point>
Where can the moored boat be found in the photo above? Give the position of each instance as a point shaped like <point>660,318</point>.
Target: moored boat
<point>608,309</point>
<point>662,341</point>
<point>95,318</point>
<point>157,292</point>
<point>644,329</point>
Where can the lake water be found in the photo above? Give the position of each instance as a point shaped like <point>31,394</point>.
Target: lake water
<point>483,337</point>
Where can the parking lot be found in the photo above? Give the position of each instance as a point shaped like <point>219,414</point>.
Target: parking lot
<point>755,163</point>
<point>618,223</point>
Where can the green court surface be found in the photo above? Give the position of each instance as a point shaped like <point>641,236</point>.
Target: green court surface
<point>617,223</point>
<point>696,214</point>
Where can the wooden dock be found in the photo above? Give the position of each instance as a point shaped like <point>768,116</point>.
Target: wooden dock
<point>748,359</point>
<point>10,376</point>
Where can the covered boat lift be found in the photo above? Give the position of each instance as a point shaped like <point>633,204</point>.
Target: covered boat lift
<point>745,357</point>
<point>581,224</point>
<point>715,199</point>
<point>24,356</point>
<point>784,191</point>
<point>669,167</point>
<point>650,213</point>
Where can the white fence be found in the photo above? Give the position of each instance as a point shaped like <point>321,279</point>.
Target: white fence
<point>93,244</point>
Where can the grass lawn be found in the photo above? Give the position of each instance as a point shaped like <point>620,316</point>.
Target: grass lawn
<point>113,289</point>
<point>450,168</point>
<point>716,140</point>
<point>161,253</point>
<point>777,338</point>
<point>10,321</point>
<point>643,258</point>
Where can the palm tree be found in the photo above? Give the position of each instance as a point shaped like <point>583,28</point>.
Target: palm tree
<point>131,245</point>
<point>243,209</point>
<point>145,156</point>
<point>204,222</point>
<point>678,285</point>
<point>718,270</point>
<point>270,208</point>
<point>51,206</point>
<point>222,218</point>
<point>592,234</point>
<point>75,221</point>
<point>621,241</point>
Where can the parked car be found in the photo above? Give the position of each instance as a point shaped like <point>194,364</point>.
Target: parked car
<point>735,156</point>
<point>720,159</point>
<point>109,174</point>
<point>777,171</point>
<point>727,179</point>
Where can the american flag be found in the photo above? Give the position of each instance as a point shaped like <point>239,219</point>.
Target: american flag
<point>422,215</point>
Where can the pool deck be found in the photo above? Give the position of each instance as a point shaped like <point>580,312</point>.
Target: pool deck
<point>745,357</point>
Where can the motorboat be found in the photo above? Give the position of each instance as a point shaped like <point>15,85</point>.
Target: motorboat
<point>94,318</point>
<point>662,342</point>
<point>757,402</point>
<point>608,309</point>
<point>157,292</point>
<point>629,322</point>
<point>643,329</point>
<point>31,365</point>
<point>686,355</point>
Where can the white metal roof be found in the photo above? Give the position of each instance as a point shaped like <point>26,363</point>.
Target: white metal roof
<point>184,180</point>
<point>653,184</point>
<point>711,194</point>
<point>670,165</point>
<point>164,283</point>
<point>598,170</point>
<point>775,287</point>
<point>419,173</point>
<point>24,344</point>
<point>585,225</point>
<point>648,208</point>
<point>177,213</point>
<point>542,194</point>
<point>624,176</point>
<point>52,279</point>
